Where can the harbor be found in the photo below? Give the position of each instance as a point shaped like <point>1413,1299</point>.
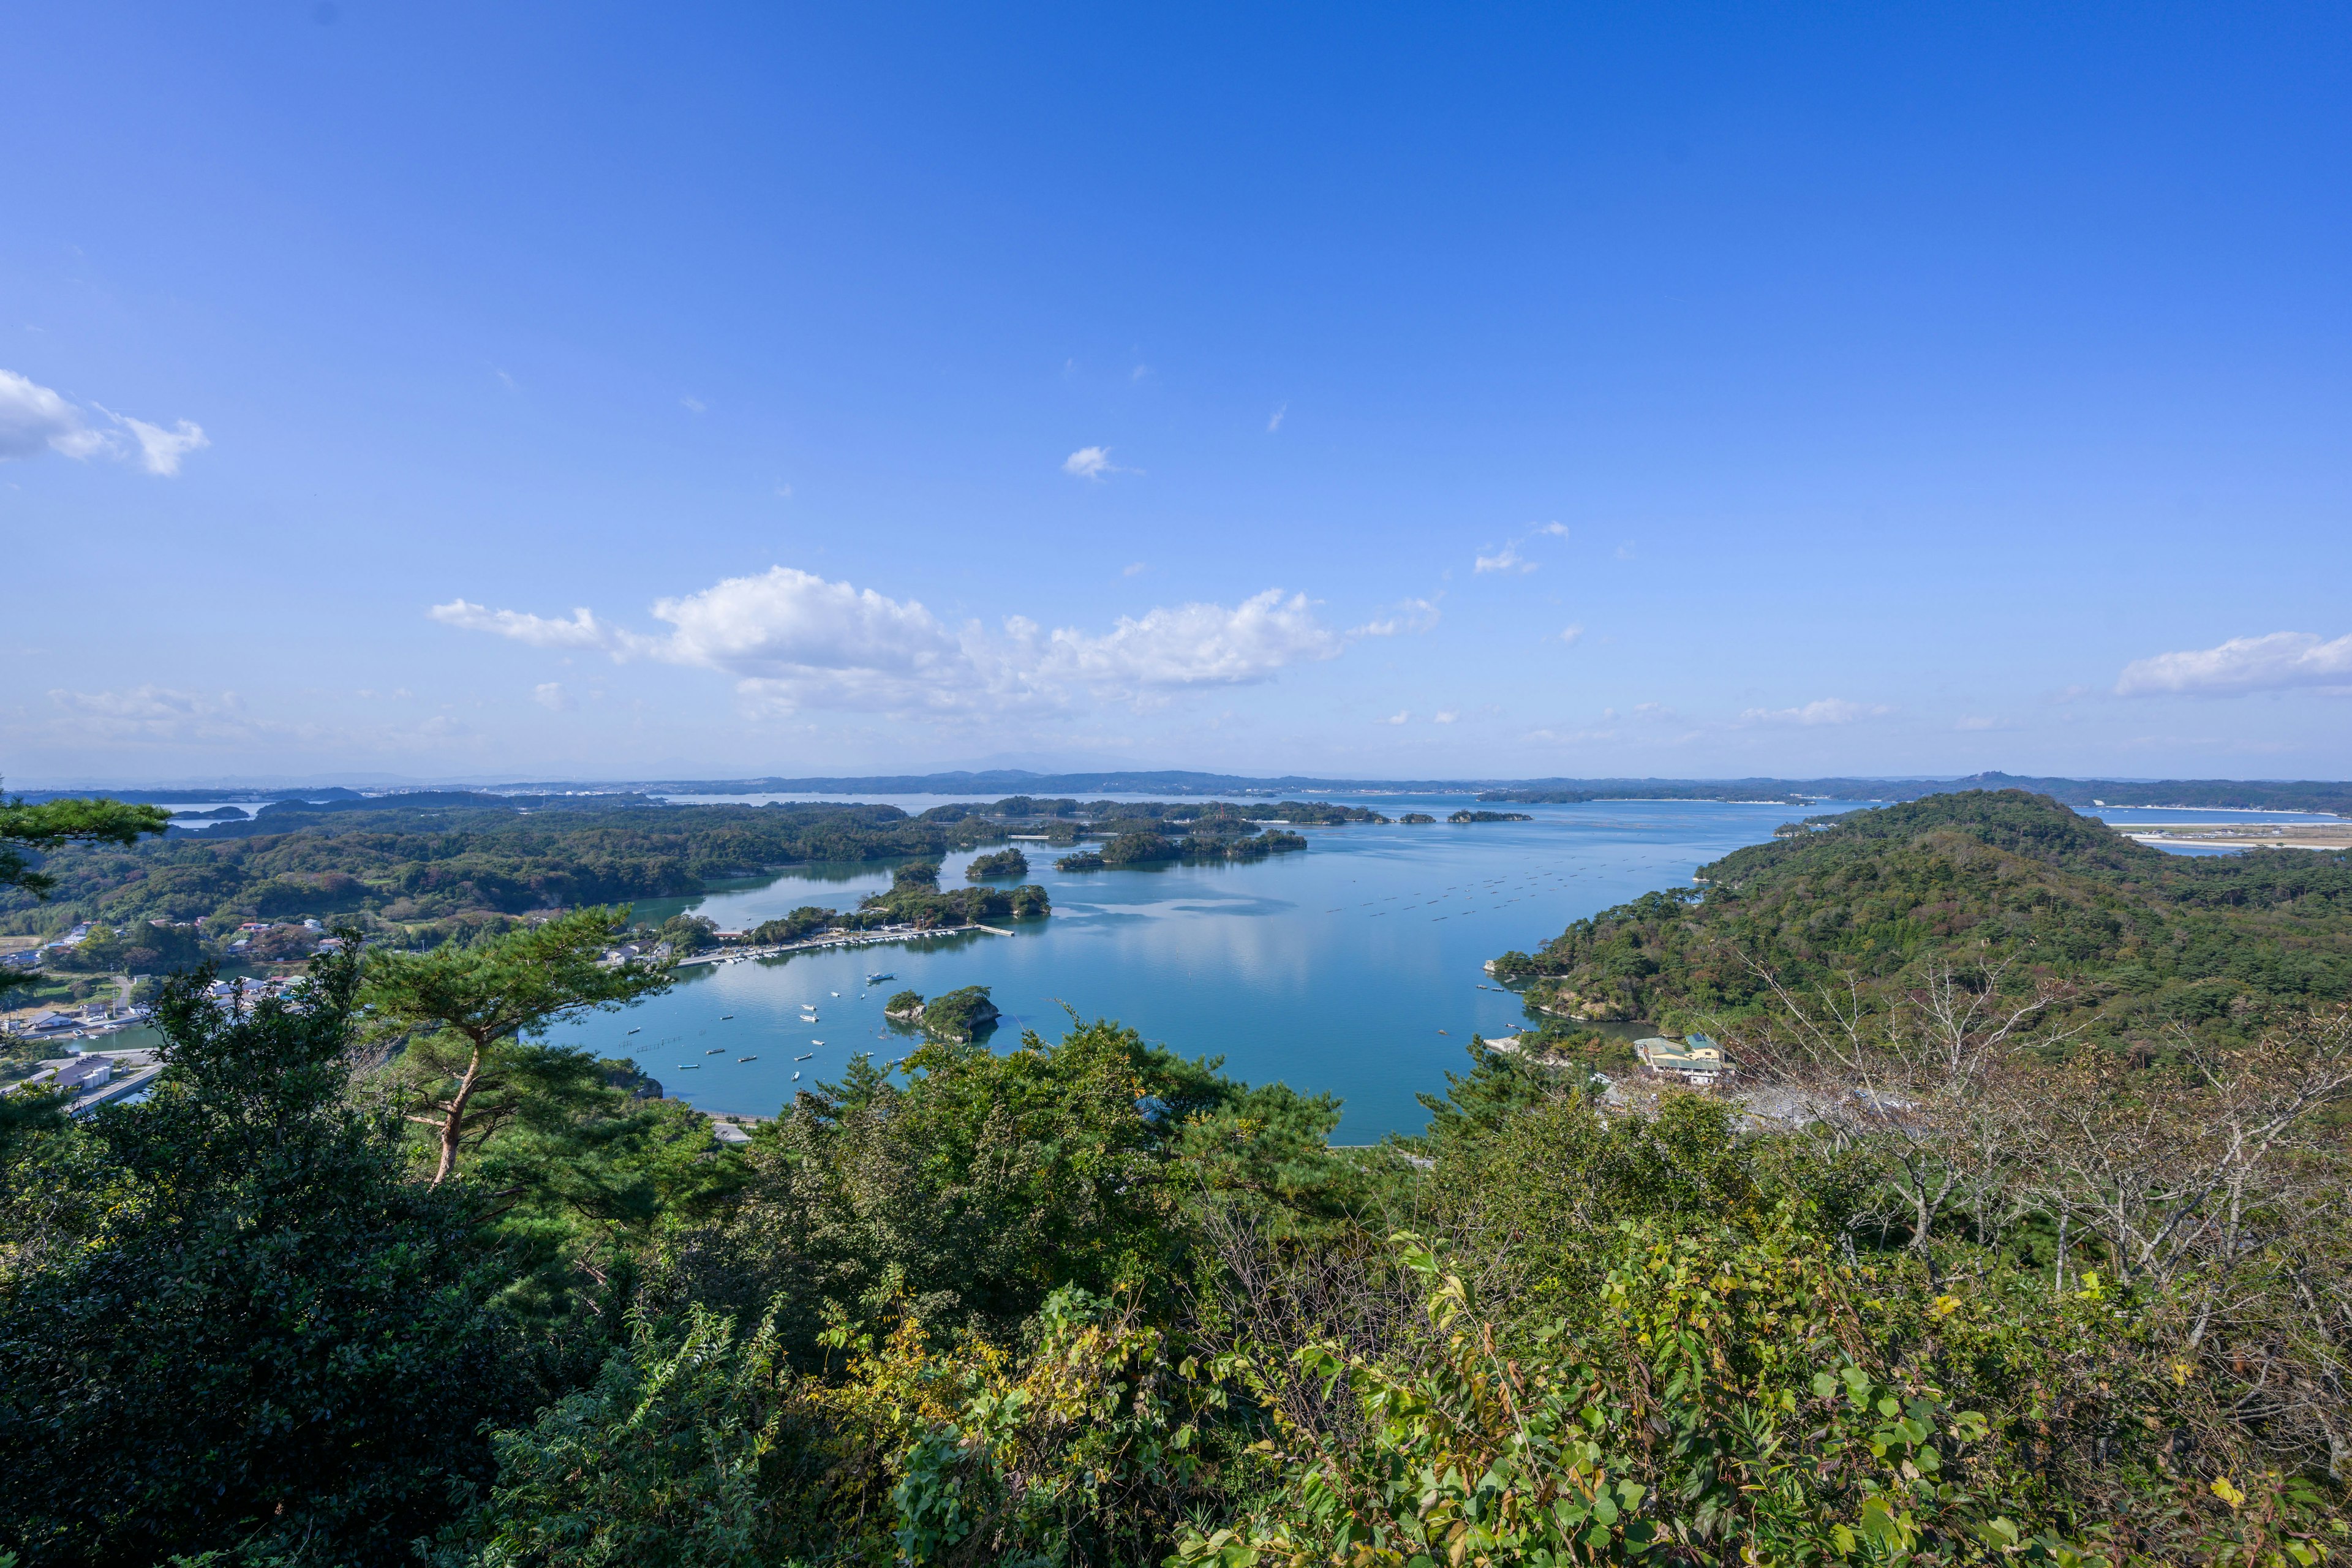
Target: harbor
<point>833,939</point>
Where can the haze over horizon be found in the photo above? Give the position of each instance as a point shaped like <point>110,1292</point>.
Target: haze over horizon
<point>544,394</point>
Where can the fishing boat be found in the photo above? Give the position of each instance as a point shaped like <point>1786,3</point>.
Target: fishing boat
<point>804,1056</point>
<point>723,1018</point>
<point>715,1051</point>
<point>631,1031</point>
<point>877,978</point>
<point>690,1066</point>
<point>747,1059</point>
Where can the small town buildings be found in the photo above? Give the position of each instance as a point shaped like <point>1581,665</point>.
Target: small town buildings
<point>1696,1059</point>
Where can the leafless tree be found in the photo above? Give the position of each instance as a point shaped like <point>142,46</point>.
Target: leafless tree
<point>1926,1086</point>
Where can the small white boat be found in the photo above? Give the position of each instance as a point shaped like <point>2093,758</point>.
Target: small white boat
<point>715,1051</point>
<point>816,1042</point>
<point>796,1078</point>
<point>804,1056</point>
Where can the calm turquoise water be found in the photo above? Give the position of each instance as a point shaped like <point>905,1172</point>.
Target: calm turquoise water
<point>1352,967</point>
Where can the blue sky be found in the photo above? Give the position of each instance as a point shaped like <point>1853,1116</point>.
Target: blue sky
<point>536,391</point>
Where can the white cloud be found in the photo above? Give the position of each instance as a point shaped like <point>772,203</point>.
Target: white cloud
<point>794,640</point>
<point>1093,463</point>
<point>2270,663</point>
<point>1508,558</point>
<point>1572,633</point>
<point>160,450</point>
<point>1134,569</point>
<point>1448,718</point>
<point>552,696</point>
<point>1397,718</point>
<point>1409,616</point>
<point>1274,422</point>
<point>1827,711</point>
<point>34,419</point>
<point>583,630</point>
<point>1196,644</point>
<point>694,404</point>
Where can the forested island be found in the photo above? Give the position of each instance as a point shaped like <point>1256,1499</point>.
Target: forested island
<point>2016,1231</point>
<point>420,867</point>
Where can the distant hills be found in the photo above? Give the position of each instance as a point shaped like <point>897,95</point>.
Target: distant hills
<point>2334,797</point>
<point>2322,796</point>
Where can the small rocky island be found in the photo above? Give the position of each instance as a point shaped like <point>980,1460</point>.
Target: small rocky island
<point>958,1016</point>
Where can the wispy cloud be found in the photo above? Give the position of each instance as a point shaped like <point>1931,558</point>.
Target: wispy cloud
<point>1093,463</point>
<point>582,631</point>
<point>552,696</point>
<point>1134,569</point>
<point>1508,559</point>
<point>1572,632</point>
<point>2271,663</point>
<point>161,713</point>
<point>1274,421</point>
<point>1406,615</point>
<point>1827,711</point>
<point>694,404</point>
<point>1397,718</point>
<point>35,419</point>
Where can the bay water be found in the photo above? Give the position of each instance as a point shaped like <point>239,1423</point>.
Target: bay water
<point>1352,967</point>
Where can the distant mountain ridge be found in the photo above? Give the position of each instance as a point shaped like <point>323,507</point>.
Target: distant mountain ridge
<point>2330,796</point>
<point>2250,795</point>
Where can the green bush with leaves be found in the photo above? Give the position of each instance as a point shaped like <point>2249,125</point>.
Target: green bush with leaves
<point>230,1317</point>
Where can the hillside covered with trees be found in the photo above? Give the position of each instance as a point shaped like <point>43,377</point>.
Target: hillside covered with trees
<point>2140,940</point>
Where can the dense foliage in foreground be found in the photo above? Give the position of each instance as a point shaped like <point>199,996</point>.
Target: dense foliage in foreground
<point>1949,1287</point>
